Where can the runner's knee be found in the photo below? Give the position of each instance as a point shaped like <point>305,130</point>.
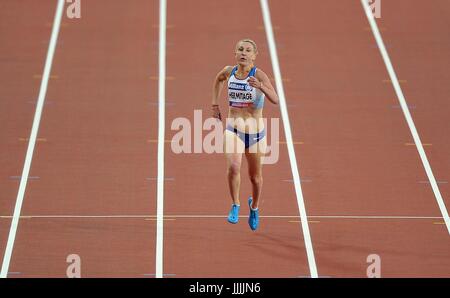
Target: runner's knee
<point>256,179</point>
<point>234,168</point>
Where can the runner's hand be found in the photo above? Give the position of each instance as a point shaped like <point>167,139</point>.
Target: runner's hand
<point>216,112</point>
<point>254,82</point>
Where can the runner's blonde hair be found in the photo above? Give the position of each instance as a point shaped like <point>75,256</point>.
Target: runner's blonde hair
<point>255,48</point>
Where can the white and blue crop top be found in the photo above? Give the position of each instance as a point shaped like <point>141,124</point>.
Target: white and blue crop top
<point>241,94</point>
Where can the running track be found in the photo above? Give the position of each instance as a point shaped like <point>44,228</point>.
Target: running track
<point>92,186</point>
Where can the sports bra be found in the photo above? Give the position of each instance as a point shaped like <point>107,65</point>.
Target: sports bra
<point>241,94</point>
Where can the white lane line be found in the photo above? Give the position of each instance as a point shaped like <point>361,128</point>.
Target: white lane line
<point>287,131</point>
<point>32,139</point>
<point>161,132</point>
<point>201,216</point>
<point>404,105</point>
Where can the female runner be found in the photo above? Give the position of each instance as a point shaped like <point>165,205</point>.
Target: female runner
<point>248,86</point>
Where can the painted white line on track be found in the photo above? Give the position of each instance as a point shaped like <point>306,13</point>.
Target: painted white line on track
<point>289,143</point>
<point>32,139</point>
<point>408,117</point>
<point>161,132</point>
<point>201,216</point>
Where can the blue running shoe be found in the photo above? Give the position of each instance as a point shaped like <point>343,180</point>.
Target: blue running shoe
<point>253,219</point>
<point>233,216</point>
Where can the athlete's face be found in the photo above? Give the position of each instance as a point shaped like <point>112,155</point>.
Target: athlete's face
<point>245,53</point>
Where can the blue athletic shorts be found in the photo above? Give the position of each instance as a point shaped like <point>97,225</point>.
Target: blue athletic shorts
<point>249,139</point>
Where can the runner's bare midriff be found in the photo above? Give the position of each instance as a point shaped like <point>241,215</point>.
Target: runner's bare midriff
<point>248,120</point>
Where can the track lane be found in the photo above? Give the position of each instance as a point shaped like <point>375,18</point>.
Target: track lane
<point>97,159</point>
<point>418,46</point>
<point>24,38</point>
<point>212,247</point>
<point>356,157</point>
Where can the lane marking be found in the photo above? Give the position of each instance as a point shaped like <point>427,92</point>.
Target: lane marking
<point>206,216</point>
<point>288,134</point>
<point>287,80</point>
<point>166,26</point>
<point>275,28</point>
<point>156,141</point>
<point>156,78</point>
<point>60,42</point>
<point>382,29</point>
<point>161,132</point>
<point>33,137</point>
<point>407,114</point>
<point>293,142</point>
<point>438,182</point>
<point>414,144</point>
<point>153,274</point>
<point>306,276</point>
<point>51,77</point>
<point>411,107</point>
<point>279,142</point>
<point>37,139</point>
<point>61,25</point>
<point>310,221</point>
<point>301,180</point>
<point>168,43</point>
<point>156,178</point>
<point>155,103</point>
<point>400,81</point>
<point>155,219</point>
<point>20,177</point>
<point>372,46</point>
<point>47,102</point>
<point>439,223</point>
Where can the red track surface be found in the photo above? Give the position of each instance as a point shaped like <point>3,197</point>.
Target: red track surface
<point>22,52</point>
<point>98,156</point>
